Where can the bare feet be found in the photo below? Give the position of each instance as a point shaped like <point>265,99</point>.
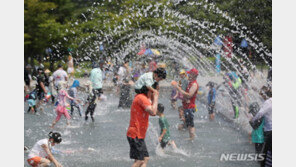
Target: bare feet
<point>52,126</point>
<point>181,127</point>
<point>190,139</point>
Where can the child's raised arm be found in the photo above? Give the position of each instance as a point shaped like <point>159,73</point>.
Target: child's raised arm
<point>69,97</point>
<point>50,156</point>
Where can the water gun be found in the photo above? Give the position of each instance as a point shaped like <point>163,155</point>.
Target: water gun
<point>68,108</point>
<point>54,151</point>
<point>195,107</point>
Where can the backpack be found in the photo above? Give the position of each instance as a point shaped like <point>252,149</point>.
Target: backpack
<point>254,109</point>
<point>32,95</point>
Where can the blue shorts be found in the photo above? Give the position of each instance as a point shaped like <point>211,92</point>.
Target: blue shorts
<point>189,121</point>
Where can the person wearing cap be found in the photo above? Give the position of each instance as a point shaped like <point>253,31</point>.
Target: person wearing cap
<point>73,93</point>
<point>40,155</point>
<point>96,77</point>
<point>188,102</point>
<point>183,82</point>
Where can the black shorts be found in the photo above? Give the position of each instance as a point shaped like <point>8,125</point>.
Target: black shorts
<point>91,107</point>
<point>189,121</point>
<point>138,149</point>
<point>211,108</point>
<point>97,92</point>
<point>163,144</point>
<point>40,95</point>
<point>173,100</point>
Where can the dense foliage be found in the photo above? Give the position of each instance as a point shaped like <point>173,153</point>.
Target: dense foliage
<point>76,26</point>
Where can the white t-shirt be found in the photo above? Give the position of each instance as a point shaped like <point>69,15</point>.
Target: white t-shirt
<point>266,112</point>
<point>37,150</point>
<point>59,75</point>
<point>145,80</point>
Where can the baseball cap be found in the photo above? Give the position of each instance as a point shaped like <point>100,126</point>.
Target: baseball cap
<point>182,71</point>
<point>193,71</point>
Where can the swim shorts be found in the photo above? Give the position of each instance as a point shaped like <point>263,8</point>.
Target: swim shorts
<point>97,92</point>
<point>138,149</point>
<point>34,161</point>
<point>211,108</point>
<point>189,121</point>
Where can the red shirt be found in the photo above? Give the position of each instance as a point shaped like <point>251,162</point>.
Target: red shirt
<point>191,103</point>
<point>139,117</point>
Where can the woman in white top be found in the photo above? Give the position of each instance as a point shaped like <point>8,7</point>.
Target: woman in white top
<point>40,155</point>
<point>266,112</point>
<point>70,69</point>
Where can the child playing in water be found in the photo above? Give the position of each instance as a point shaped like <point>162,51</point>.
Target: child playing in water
<point>62,104</point>
<point>149,81</point>
<point>32,101</point>
<point>164,137</point>
<point>257,132</point>
<point>41,155</point>
<point>183,82</point>
<point>181,117</point>
<point>211,100</point>
<point>73,93</point>
<point>91,99</point>
<point>174,96</point>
